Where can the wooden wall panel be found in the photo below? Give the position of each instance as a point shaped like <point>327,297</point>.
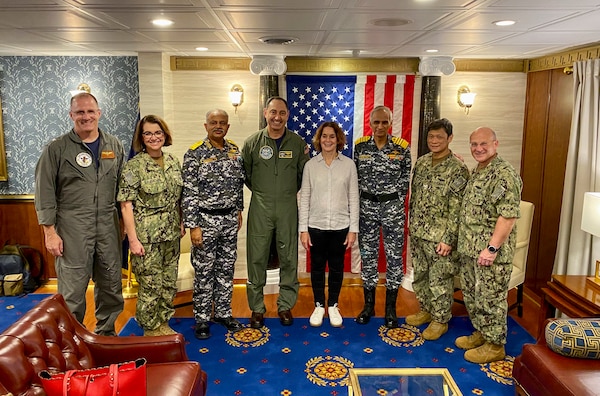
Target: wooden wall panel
<point>545,144</point>
<point>18,224</point>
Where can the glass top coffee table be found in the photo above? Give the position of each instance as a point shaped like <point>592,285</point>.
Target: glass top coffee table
<point>402,381</point>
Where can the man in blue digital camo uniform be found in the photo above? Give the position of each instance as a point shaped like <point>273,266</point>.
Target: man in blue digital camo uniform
<point>274,159</point>
<point>383,163</point>
<point>486,244</point>
<point>212,204</point>
<point>439,179</point>
<point>76,181</point>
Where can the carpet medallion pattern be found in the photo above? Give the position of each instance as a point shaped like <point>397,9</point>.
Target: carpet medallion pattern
<point>304,360</point>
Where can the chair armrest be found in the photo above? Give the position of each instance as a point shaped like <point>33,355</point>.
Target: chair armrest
<point>106,350</point>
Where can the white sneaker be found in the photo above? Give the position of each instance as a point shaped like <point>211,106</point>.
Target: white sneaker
<point>335,319</point>
<point>316,319</point>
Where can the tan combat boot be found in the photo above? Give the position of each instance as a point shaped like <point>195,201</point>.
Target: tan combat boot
<point>469,342</point>
<point>418,319</point>
<point>165,329</point>
<point>152,333</point>
<point>435,330</point>
<point>486,353</point>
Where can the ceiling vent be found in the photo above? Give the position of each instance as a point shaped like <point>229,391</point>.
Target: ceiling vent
<point>389,22</point>
<point>278,40</point>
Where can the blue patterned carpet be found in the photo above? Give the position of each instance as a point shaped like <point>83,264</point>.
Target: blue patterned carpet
<point>303,360</point>
<point>12,308</point>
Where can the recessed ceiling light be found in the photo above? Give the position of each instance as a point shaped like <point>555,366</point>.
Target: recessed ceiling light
<point>201,49</point>
<point>390,22</point>
<point>162,22</point>
<point>506,22</point>
<point>278,40</point>
<point>431,50</point>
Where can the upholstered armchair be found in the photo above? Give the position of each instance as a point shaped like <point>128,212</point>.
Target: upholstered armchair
<point>48,337</point>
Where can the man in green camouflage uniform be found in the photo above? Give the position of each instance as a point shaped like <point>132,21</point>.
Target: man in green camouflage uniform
<point>486,244</point>
<point>383,165</point>
<point>439,179</point>
<point>213,200</point>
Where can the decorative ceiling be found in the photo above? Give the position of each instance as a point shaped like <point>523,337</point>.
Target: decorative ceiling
<point>318,28</point>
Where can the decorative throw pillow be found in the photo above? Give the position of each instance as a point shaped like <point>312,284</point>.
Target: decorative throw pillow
<point>579,338</point>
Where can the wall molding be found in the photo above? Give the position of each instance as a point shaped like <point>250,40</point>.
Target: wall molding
<point>297,64</point>
<point>564,59</point>
<point>209,63</point>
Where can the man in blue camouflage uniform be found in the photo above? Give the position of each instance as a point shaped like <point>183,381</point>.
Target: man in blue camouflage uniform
<point>383,164</point>
<point>213,181</point>
<point>486,244</point>
<point>439,179</point>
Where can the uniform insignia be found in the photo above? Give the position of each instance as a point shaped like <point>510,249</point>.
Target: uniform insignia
<point>107,155</point>
<point>266,152</point>
<point>286,154</point>
<point>400,142</point>
<point>209,160</point>
<point>498,193</point>
<point>364,157</point>
<point>395,155</point>
<point>232,143</point>
<point>362,139</point>
<point>196,145</point>
<point>458,184</point>
<point>84,160</point>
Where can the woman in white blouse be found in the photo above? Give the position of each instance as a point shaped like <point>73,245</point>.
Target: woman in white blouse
<point>328,219</point>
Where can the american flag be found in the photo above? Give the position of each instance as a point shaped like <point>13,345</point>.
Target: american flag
<point>348,100</point>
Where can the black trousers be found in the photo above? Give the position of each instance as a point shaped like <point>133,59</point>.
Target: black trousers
<point>327,249</point>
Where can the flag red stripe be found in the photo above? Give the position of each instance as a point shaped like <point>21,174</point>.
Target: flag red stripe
<point>369,103</point>
<point>407,111</point>
<point>388,96</point>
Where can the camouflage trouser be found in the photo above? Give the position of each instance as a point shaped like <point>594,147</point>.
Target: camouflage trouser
<point>156,272</point>
<point>214,264</point>
<point>388,217</point>
<point>485,290</point>
<point>433,281</point>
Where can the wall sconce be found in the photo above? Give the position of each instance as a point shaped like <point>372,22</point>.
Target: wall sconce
<point>590,223</point>
<point>81,88</point>
<point>465,98</point>
<point>236,96</point>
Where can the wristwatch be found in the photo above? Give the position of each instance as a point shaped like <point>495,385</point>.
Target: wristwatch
<point>493,249</point>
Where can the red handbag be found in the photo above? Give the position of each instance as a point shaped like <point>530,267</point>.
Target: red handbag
<point>125,379</point>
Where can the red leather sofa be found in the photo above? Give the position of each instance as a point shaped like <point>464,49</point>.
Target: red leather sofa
<point>539,371</point>
<point>48,337</point>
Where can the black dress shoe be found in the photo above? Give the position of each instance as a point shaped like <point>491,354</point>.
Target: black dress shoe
<point>230,324</point>
<point>202,331</point>
<point>286,318</point>
<point>257,320</point>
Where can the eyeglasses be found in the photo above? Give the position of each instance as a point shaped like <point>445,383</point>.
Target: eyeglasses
<point>156,134</point>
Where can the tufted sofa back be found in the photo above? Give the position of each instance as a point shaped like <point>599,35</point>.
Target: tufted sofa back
<point>45,338</point>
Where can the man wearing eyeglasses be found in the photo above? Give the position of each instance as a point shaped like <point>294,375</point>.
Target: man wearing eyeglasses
<point>75,200</point>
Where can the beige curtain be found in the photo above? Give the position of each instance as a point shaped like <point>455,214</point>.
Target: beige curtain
<point>577,250</point>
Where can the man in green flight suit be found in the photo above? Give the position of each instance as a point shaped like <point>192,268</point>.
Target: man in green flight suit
<point>274,159</point>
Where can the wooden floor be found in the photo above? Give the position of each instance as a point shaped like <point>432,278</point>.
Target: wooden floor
<point>350,303</point>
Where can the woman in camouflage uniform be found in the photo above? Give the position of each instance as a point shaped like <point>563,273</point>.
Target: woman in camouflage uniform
<point>150,193</point>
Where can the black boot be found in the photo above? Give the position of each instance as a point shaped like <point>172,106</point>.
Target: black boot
<point>369,308</point>
<point>391,320</point>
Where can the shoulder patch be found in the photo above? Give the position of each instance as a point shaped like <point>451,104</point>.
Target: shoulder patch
<point>196,145</point>
<point>232,143</point>
<point>400,142</point>
<point>362,139</point>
